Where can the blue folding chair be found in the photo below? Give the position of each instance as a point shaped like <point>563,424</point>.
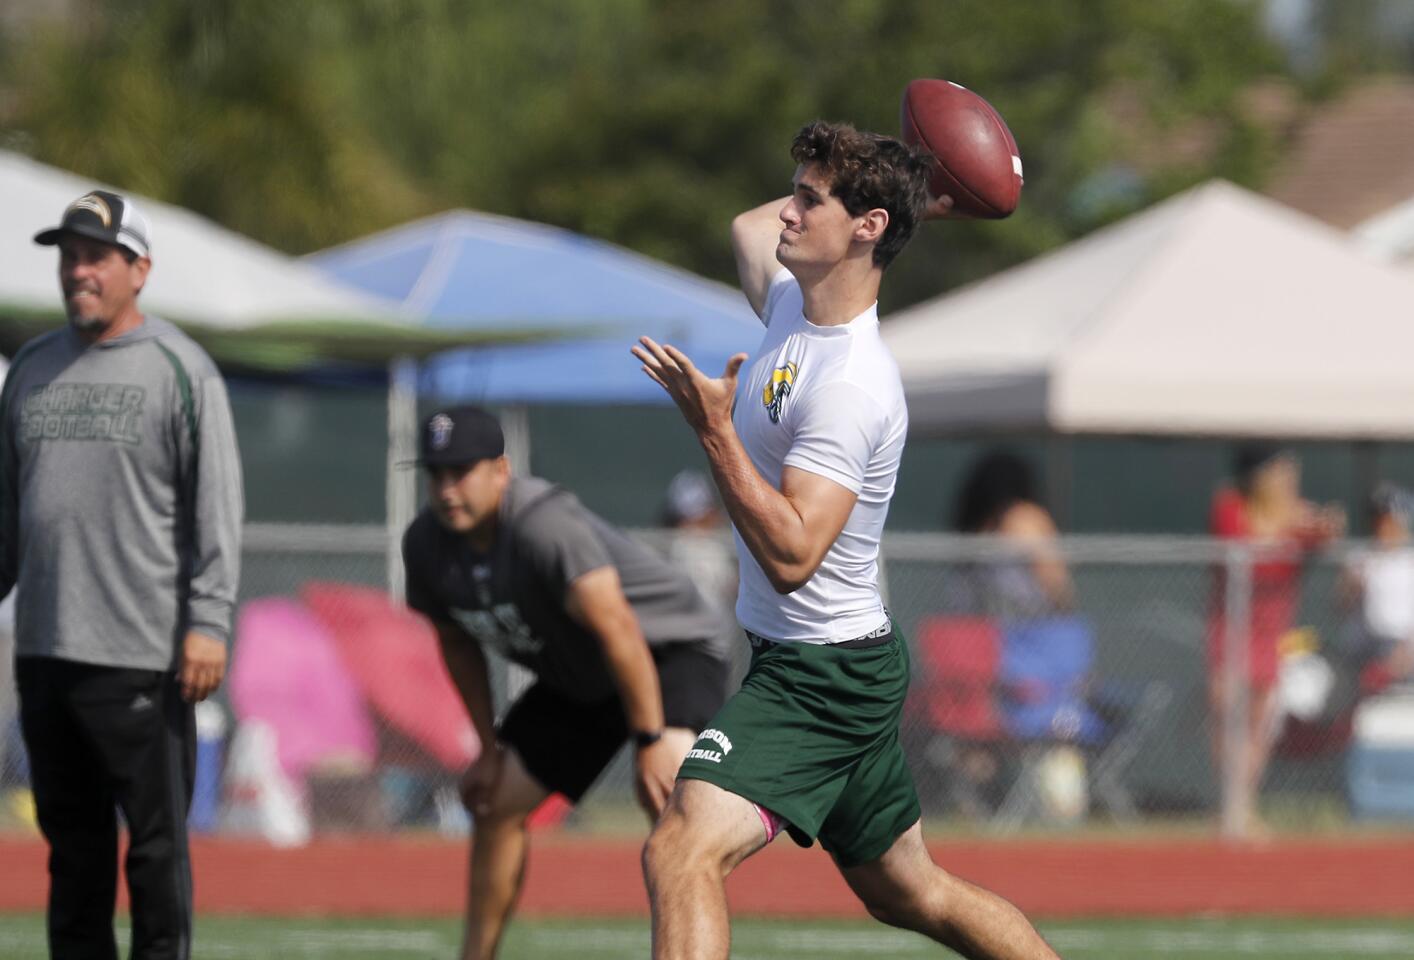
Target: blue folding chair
<point>1045,674</point>
<point>1046,678</point>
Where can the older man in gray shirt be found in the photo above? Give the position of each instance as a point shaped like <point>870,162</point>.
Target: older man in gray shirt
<point>120,514</point>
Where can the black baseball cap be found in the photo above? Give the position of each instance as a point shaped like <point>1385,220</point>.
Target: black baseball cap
<point>104,216</point>
<point>460,436</point>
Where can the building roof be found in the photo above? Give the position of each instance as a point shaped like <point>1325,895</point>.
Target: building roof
<point>1352,158</point>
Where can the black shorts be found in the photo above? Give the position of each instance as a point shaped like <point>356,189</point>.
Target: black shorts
<point>566,745</point>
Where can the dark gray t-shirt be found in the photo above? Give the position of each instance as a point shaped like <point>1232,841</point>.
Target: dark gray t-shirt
<point>512,597</point>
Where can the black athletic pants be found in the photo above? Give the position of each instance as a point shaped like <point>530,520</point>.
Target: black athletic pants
<point>102,739</point>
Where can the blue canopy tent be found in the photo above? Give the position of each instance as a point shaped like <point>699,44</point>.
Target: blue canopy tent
<point>466,270</point>
<point>586,300</point>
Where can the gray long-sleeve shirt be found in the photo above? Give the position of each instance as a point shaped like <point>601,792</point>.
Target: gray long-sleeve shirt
<point>121,497</point>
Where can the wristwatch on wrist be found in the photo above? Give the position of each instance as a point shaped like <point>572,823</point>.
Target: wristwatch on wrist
<point>646,738</point>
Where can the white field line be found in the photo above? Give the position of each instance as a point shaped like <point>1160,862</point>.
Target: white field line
<point>1201,937</point>
<point>311,943</point>
<point>1177,941</point>
<point>1357,941</point>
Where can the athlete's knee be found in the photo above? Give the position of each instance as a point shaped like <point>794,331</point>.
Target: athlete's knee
<point>512,800</point>
<point>681,845</point>
<point>923,904</point>
<point>668,846</point>
<point>502,812</point>
<point>500,816</point>
<point>902,913</point>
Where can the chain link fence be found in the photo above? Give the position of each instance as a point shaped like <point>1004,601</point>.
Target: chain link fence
<point>1108,680</point>
<point>1123,698</point>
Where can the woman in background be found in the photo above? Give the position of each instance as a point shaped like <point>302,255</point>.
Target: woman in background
<point>1264,507</point>
<point>1000,498</point>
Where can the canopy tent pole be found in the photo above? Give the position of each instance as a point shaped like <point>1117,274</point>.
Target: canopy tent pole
<point>401,481</point>
<point>1365,474</point>
<point>515,424</point>
<point>1060,478</point>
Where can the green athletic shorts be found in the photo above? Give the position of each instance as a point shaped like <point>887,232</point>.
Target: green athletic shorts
<point>812,736</point>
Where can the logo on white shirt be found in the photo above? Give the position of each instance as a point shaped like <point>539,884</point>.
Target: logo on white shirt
<point>774,396</point>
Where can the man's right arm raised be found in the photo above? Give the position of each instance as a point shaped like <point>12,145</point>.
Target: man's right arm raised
<point>755,236</point>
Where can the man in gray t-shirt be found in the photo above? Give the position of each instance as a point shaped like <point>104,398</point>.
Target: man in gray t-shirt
<point>120,520</point>
<point>622,646</point>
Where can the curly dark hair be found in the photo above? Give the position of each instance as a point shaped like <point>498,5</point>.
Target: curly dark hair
<point>868,171</point>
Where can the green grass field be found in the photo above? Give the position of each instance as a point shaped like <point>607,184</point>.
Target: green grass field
<point>237,938</point>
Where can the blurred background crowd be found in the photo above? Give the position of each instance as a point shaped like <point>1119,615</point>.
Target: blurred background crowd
<point>1151,532</point>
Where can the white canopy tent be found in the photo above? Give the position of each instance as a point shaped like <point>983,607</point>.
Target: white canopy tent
<point>202,273</point>
<point>250,306</point>
<point>1217,312</point>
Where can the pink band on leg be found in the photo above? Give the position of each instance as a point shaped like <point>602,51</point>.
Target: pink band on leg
<point>773,822</point>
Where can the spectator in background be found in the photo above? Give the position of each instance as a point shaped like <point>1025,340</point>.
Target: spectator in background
<point>1000,498</point>
<point>1263,506</point>
<point>120,527</point>
<point>1377,586</point>
<point>700,547</point>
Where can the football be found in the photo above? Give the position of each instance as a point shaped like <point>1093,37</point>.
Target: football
<point>978,164</point>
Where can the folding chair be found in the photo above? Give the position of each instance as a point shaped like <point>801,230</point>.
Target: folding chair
<point>954,702</point>
<point>1133,720</point>
<point>1045,672</point>
<point>1049,699</point>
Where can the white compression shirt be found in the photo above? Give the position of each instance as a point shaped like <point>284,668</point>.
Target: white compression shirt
<point>827,400</point>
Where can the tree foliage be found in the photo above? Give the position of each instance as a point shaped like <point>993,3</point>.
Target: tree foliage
<point>304,124</point>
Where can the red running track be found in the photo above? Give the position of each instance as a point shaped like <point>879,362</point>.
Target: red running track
<point>574,876</point>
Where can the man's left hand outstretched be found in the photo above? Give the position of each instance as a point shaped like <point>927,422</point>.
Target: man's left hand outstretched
<point>704,401</point>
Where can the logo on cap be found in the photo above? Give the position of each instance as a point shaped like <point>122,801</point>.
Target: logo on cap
<point>441,431</point>
<point>94,204</point>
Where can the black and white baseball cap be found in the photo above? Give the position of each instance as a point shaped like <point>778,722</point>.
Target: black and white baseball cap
<point>690,496</point>
<point>459,437</point>
<point>108,217</point>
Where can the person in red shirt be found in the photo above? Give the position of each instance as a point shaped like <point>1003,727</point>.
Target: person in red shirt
<point>1264,507</point>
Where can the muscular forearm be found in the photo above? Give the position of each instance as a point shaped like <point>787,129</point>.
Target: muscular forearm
<point>596,601</point>
<point>466,665</point>
<point>635,675</point>
<point>769,524</point>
